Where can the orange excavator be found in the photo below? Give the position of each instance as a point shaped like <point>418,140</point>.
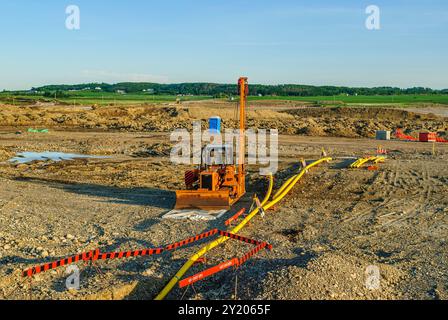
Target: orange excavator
<point>216,186</point>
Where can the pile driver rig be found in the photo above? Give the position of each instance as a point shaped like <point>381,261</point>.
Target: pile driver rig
<point>213,186</point>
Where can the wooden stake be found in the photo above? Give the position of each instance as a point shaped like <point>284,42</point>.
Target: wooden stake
<point>235,295</point>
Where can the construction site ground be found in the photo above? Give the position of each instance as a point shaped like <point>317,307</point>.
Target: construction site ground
<point>325,233</point>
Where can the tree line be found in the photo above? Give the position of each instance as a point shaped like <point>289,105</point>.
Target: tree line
<point>214,89</point>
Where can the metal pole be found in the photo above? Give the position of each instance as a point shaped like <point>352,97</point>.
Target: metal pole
<point>243,87</point>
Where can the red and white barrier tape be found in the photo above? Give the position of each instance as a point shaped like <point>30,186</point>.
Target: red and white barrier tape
<point>96,255</point>
<point>235,262</point>
<point>235,217</point>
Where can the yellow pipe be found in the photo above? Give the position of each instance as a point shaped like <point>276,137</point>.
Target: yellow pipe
<point>220,240</point>
<point>211,245</point>
<point>293,183</point>
<point>379,159</point>
<point>358,163</point>
<point>283,187</point>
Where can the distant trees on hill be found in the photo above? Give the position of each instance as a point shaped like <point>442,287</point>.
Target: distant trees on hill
<point>214,89</point>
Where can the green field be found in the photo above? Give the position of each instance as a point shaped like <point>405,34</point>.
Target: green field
<point>400,99</point>
<point>106,98</point>
<point>98,98</point>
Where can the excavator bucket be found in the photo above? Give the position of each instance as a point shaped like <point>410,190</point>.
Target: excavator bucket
<point>202,199</point>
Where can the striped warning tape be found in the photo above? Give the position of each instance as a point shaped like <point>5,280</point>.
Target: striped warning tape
<point>192,239</point>
<point>235,262</point>
<point>240,238</point>
<point>96,255</point>
<point>254,251</point>
<point>235,217</point>
<point>91,255</point>
<point>130,254</point>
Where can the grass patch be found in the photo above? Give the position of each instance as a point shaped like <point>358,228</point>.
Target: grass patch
<point>396,99</point>
<point>107,98</point>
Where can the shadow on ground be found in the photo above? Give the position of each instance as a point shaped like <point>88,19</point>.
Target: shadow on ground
<point>130,196</point>
<point>342,163</point>
<point>222,285</point>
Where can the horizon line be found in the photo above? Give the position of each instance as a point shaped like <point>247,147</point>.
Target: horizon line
<point>218,83</point>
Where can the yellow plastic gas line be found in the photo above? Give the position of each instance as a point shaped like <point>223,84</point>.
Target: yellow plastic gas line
<point>358,163</point>
<point>211,245</point>
<point>283,187</point>
<point>288,186</point>
<point>220,240</point>
<point>297,177</point>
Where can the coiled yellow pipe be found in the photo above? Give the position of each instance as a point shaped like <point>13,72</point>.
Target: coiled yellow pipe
<point>286,188</point>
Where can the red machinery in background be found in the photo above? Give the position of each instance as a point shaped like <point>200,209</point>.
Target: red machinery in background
<point>423,136</point>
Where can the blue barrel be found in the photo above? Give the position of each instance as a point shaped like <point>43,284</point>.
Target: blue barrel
<point>215,124</point>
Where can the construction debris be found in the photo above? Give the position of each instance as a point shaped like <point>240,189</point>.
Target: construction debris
<point>194,214</point>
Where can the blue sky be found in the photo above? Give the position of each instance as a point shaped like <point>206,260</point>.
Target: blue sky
<point>284,41</point>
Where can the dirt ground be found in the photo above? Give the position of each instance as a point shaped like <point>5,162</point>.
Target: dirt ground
<point>325,234</point>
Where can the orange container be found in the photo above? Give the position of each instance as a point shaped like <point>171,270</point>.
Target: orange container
<point>427,137</point>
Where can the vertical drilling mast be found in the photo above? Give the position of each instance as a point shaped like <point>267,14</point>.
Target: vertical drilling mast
<point>243,87</point>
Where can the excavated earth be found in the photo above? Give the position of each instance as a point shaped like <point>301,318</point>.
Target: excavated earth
<point>334,225</point>
<point>288,118</point>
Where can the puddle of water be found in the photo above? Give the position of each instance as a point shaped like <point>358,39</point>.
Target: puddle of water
<point>26,157</point>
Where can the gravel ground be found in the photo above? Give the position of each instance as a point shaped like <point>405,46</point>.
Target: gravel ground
<point>333,225</point>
